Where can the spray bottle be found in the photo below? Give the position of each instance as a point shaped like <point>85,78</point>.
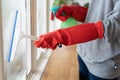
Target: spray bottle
<point>70,21</point>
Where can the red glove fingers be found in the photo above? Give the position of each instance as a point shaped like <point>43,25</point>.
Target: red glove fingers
<point>41,42</point>
<point>63,10</point>
<point>47,41</point>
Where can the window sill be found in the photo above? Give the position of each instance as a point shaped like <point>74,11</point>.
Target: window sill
<point>36,75</point>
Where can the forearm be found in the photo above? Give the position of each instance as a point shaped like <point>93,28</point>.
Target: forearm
<point>81,33</point>
<point>73,35</point>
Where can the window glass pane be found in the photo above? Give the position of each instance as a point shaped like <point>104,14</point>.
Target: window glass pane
<point>22,60</point>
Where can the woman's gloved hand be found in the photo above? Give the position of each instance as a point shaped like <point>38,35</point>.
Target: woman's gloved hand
<point>73,35</point>
<point>74,11</point>
<point>49,40</point>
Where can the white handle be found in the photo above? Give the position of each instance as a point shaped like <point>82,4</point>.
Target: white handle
<point>30,37</point>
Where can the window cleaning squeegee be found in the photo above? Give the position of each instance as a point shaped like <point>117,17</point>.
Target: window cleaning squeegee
<point>17,35</point>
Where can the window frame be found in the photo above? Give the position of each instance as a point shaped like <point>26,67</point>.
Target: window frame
<point>2,76</point>
<point>36,64</point>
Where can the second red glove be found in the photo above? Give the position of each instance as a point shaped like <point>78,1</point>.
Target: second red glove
<point>74,11</point>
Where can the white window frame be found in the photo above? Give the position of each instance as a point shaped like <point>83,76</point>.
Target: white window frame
<point>2,76</point>
<point>38,65</point>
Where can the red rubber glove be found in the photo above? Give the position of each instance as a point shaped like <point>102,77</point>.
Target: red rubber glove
<point>75,11</point>
<point>73,35</point>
